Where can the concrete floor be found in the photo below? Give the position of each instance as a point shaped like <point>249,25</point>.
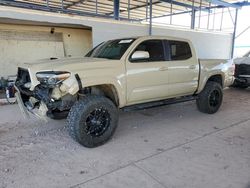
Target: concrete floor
<point>172,146</point>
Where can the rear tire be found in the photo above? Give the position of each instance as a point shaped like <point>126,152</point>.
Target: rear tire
<point>92,121</point>
<point>210,99</point>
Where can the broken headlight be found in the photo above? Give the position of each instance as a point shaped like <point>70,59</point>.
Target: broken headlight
<point>52,77</point>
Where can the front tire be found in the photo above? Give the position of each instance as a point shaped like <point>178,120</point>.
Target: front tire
<point>92,121</point>
<point>210,99</point>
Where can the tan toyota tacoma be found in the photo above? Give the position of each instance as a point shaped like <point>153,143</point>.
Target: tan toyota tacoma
<point>128,73</point>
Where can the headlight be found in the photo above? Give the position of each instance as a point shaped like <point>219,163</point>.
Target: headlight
<point>52,77</point>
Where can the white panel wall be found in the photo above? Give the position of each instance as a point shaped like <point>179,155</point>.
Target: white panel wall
<point>208,45</point>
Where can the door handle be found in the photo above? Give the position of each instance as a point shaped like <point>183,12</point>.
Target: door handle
<point>163,68</point>
<point>192,66</point>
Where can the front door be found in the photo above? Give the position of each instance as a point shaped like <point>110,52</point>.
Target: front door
<point>147,79</point>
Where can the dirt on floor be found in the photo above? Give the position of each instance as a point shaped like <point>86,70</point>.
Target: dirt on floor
<point>173,146</point>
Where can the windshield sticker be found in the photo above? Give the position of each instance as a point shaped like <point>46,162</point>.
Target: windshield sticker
<point>126,41</point>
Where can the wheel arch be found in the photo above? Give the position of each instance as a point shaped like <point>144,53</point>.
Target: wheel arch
<point>107,90</point>
<point>216,77</point>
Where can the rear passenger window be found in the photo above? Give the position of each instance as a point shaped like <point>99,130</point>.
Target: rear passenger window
<point>179,50</point>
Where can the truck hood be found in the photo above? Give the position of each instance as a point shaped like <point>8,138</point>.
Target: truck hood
<point>69,64</point>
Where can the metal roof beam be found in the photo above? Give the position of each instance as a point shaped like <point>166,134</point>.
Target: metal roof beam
<point>185,5</point>
<point>74,3</point>
<point>243,3</point>
<point>165,1</point>
<point>224,3</point>
<point>13,3</point>
<point>173,14</point>
<point>135,7</point>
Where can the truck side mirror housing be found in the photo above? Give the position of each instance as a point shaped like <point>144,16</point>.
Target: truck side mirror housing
<point>140,55</point>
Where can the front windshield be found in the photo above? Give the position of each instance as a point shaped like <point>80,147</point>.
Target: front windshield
<point>112,49</point>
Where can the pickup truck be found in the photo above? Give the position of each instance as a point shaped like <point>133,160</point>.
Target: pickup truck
<point>128,73</point>
<point>242,71</point>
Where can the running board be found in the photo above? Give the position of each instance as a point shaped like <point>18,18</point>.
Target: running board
<point>159,103</point>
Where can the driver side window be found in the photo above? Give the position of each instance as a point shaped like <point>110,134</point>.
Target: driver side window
<point>154,48</point>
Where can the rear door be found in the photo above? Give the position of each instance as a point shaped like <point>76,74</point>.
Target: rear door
<point>147,79</point>
<point>183,68</point>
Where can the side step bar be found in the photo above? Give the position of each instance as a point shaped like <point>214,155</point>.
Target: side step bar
<point>159,103</point>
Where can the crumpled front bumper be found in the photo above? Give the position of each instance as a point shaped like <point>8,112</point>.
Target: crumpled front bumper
<point>20,103</point>
<point>39,113</point>
<point>43,101</point>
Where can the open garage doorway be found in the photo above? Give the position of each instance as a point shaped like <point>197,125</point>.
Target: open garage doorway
<point>30,42</point>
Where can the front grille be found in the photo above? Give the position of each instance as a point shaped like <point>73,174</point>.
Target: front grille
<point>242,69</point>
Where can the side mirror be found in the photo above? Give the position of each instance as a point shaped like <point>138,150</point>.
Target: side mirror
<point>140,55</point>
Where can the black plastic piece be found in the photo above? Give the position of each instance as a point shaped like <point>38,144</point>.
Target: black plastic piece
<point>159,103</point>
<point>79,81</point>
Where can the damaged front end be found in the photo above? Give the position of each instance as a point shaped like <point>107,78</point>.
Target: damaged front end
<point>53,95</point>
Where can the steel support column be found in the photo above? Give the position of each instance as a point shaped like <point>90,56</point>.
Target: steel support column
<point>128,9</point>
<point>171,12</point>
<point>208,17</point>
<point>116,9</point>
<point>193,16</point>
<point>96,7</point>
<point>234,33</point>
<point>150,16</point>
<point>199,23</point>
<point>193,19</point>
<point>62,4</point>
<point>221,21</point>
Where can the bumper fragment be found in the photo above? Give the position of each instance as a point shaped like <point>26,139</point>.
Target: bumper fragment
<point>20,104</point>
<point>39,113</point>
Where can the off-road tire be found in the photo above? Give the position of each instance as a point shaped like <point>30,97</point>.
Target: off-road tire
<point>78,117</point>
<point>205,97</point>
